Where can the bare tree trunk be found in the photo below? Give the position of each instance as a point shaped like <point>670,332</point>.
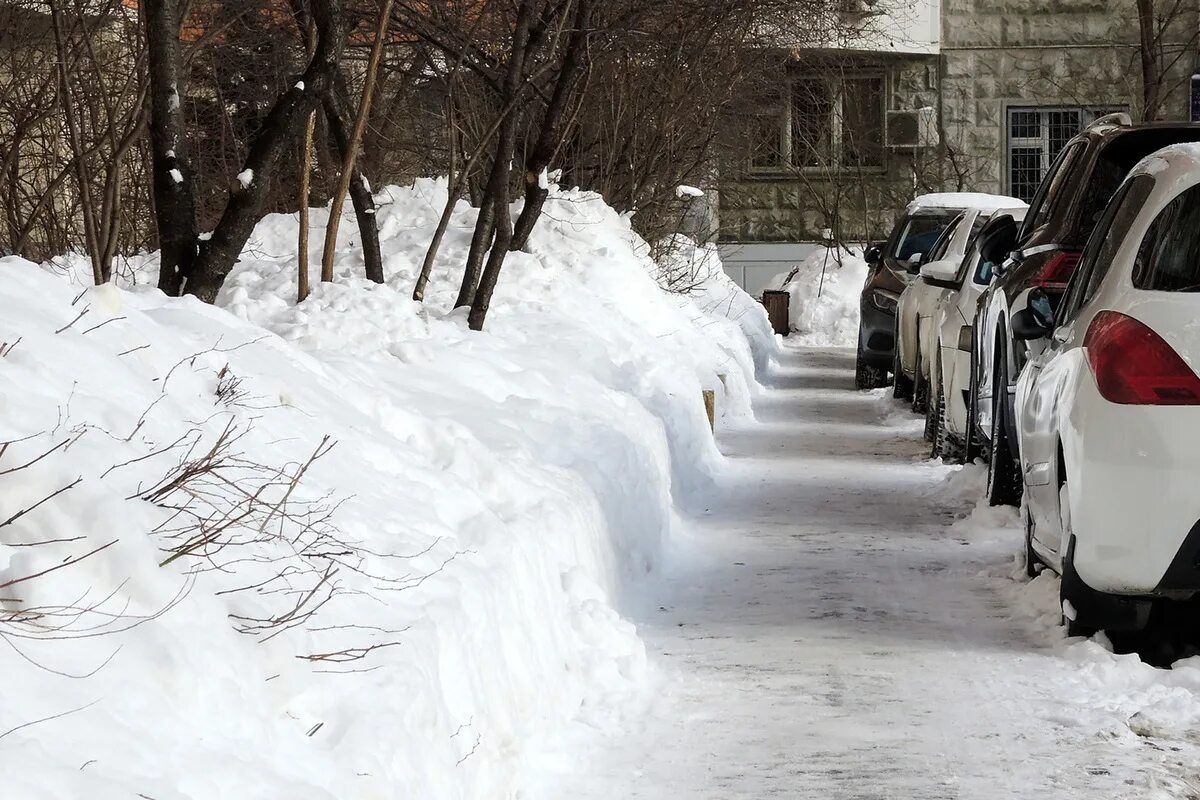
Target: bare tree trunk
<point>552,129</point>
<point>100,271</point>
<point>454,187</point>
<point>351,152</point>
<point>360,193</point>
<point>173,187</point>
<point>285,120</point>
<point>305,185</point>
<point>1151,62</point>
<point>497,188</point>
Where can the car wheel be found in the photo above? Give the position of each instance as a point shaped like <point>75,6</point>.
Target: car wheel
<point>944,446</point>
<point>1004,474</point>
<point>1033,564</point>
<point>973,447</point>
<point>920,393</point>
<point>867,376</point>
<point>930,431</point>
<point>902,387</point>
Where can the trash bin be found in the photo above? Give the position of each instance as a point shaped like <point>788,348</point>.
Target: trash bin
<point>777,305</point>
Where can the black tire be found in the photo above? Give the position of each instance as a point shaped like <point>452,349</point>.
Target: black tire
<point>944,446</point>
<point>1004,473</point>
<point>920,395</point>
<point>902,387</point>
<point>931,418</point>
<point>867,376</point>
<point>973,447</point>
<point>1033,564</point>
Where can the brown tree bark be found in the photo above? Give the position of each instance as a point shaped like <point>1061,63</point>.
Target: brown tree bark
<point>1148,47</point>
<point>302,288</point>
<point>350,154</point>
<point>173,188</point>
<point>498,180</point>
<point>282,125</point>
<point>361,197</point>
<point>553,129</point>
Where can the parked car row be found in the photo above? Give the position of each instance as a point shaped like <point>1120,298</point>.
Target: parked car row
<point>1060,342</point>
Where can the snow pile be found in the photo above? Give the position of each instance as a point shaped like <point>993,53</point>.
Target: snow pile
<point>824,291</point>
<point>708,290</point>
<point>347,548</point>
<point>962,200</point>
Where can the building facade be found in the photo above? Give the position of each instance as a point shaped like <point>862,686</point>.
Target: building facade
<point>948,95</point>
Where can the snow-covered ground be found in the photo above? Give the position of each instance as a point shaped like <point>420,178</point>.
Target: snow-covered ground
<point>191,610</point>
<point>848,623</point>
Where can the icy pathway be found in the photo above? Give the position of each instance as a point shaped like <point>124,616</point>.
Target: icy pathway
<point>836,640</point>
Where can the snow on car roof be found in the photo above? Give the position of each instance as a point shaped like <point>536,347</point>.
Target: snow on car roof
<point>963,200</point>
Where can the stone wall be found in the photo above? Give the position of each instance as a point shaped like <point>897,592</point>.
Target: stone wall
<point>999,54</point>
<point>996,55</point>
<point>797,204</point>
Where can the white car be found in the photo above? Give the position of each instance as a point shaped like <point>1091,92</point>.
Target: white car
<point>959,287</point>
<point>1108,406</point>
<point>915,329</point>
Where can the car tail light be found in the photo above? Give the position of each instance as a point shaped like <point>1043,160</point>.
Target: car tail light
<point>1133,365</point>
<point>1058,270</point>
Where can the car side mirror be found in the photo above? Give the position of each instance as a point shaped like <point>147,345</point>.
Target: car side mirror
<point>942,271</point>
<point>1036,320</point>
<point>913,264</point>
<point>998,238</point>
<point>873,255</point>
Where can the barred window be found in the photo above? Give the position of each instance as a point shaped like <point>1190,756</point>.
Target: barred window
<point>1035,138</point>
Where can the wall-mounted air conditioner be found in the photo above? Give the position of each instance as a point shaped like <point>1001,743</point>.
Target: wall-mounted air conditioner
<point>912,130</point>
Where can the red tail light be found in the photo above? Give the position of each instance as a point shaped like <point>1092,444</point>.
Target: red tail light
<point>1133,365</point>
<point>1058,270</point>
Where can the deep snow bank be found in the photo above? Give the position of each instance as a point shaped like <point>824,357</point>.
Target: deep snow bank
<point>824,297</point>
<point>418,605</point>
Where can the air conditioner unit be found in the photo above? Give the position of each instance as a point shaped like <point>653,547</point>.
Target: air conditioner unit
<point>912,130</point>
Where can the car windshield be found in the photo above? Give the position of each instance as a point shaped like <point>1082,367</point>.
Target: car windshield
<point>920,232</point>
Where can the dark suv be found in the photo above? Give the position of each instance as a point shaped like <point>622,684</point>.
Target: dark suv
<point>1043,254</point>
<point>912,237</point>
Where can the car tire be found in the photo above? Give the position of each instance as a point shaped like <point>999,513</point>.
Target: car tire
<point>973,447</point>
<point>867,376</point>
<point>1033,564</point>
<point>902,387</point>
<point>920,393</point>
<point>944,446</point>
<point>1004,474</point>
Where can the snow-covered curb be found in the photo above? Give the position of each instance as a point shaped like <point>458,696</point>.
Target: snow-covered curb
<point>492,501</point>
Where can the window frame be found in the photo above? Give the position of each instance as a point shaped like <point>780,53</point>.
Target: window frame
<point>1143,278</point>
<point>1042,141</point>
<point>1084,285</point>
<point>784,110</point>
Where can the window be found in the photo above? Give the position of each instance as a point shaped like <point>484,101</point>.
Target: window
<point>766,151</point>
<point>1169,258</point>
<point>938,252</point>
<point>1035,138</point>
<point>920,233</point>
<point>1105,242</point>
<point>825,123</point>
<point>1047,194</point>
<point>812,122</point>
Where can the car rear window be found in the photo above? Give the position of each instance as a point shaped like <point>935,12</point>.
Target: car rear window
<point>920,233</point>
<point>1114,161</point>
<point>1169,258</point>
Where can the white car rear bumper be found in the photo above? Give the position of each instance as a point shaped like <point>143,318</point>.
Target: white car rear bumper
<point>1132,481</point>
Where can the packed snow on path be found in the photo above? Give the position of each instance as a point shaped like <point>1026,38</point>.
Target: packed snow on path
<point>442,588</point>
<point>847,623</point>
